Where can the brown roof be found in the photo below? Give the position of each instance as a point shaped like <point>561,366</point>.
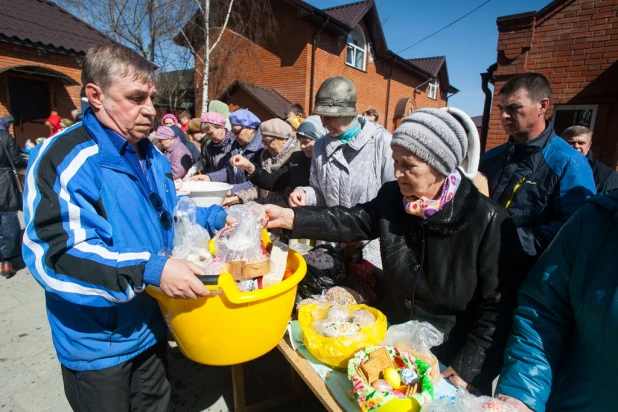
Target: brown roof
<point>478,121</point>
<point>270,99</point>
<point>40,23</point>
<point>431,65</point>
<point>350,14</point>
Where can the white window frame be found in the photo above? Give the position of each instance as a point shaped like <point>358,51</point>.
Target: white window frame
<point>355,48</point>
<point>432,89</point>
<point>565,107</point>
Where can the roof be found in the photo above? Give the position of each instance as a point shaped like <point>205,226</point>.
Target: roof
<point>350,14</point>
<point>431,65</point>
<point>269,98</point>
<point>545,10</point>
<point>478,121</point>
<point>41,23</point>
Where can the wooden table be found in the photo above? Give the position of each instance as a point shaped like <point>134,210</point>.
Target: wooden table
<point>300,368</point>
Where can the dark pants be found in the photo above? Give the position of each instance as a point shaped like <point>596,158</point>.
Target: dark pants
<point>139,384</point>
<point>10,231</point>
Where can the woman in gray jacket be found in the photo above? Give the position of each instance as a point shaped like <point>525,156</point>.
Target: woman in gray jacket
<point>352,162</point>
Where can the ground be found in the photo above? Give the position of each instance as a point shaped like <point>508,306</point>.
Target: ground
<point>30,379</point>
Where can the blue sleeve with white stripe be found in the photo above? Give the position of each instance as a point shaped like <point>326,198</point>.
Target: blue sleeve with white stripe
<point>67,243</point>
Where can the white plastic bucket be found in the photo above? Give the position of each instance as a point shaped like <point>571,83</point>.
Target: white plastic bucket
<point>206,194</point>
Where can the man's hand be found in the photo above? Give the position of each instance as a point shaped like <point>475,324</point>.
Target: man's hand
<point>298,198</point>
<point>278,217</point>
<point>178,280</point>
<point>242,163</point>
<point>456,380</point>
<point>230,201</point>
<point>519,405</point>
<point>203,178</point>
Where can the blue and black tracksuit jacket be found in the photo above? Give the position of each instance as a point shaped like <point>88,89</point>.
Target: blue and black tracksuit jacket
<point>541,183</point>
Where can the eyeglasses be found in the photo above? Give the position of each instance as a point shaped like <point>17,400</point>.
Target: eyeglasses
<point>237,131</point>
<point>165,217</point>
<point>268,142</point>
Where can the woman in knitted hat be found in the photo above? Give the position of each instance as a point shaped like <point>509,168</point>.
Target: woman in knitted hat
<point>451,256</point>
<point>219,143</point>
<point>178,155</point>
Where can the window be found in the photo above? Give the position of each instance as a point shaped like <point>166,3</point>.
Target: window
<point>573,115</point>
<point>432,89</point>
<point>357,49</point>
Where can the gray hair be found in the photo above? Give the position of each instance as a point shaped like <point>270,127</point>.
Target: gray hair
<point>105,64</point>
<point>573,131</point>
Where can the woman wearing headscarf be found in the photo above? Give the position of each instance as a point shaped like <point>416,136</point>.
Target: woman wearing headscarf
<point>291,174</point>
<point>247,142</point>
<point>53,122</point>
<point>451,255</point>
<point>280,144</point>
<point>350,164</point>
<point>174,151</point>
<point>171,121</point>
<point>219,143</point>
<point>10,197</point>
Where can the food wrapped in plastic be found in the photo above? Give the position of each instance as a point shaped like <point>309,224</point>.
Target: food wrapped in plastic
<point>334,329</point>
<point>308,301</point>
<point>416,338</point>
<point>240,245</point>
<point>363,318</point>
<point>338,313</point>
<point>466,402</point>
<point>190,239</point>
<point>340,295</point>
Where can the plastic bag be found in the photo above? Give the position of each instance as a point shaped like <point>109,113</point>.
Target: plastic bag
<point>240,245</point>
<point>190,239</point>
<point>336,352</point>
<point>416,338</point>
<point>317,281</point>
<point>466,402</point>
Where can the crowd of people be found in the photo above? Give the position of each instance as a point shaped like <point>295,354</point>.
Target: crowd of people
<point>519,279</point>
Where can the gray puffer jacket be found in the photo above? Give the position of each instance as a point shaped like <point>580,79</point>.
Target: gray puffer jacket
<point>345,175</point>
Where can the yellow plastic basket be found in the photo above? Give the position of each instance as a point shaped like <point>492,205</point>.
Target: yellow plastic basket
<point>233,327</point>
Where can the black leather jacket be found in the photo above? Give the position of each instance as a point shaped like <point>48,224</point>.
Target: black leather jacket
<point>458,270</point>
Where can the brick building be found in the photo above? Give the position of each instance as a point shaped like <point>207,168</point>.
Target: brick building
<point>312,45</point>
<point>574,43</point>
<point>41,51</point>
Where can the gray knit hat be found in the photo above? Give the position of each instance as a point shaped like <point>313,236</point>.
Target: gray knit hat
<point>434,136</point>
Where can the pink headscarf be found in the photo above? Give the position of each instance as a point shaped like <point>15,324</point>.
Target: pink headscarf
<point>169,116</point>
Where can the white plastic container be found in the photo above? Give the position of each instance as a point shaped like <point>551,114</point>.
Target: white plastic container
<point>206,194</point>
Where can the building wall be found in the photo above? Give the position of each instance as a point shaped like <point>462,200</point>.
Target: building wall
<point>576,47</point>
<point>284,64</point>
<point>63,98</point>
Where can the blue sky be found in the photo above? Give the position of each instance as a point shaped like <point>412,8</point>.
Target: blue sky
<point>469,45</point>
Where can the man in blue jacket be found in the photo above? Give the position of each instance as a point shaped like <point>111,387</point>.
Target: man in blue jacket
<point>562,354</point>
<point>538,177</point>
<point>97,209</point>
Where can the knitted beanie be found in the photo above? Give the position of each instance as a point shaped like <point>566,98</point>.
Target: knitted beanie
<point>434,136</point>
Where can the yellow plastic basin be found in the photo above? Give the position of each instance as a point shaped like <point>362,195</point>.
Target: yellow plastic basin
<point>233,327</point>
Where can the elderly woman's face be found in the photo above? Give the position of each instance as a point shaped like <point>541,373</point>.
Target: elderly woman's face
<point>336,126</point>
<point>168,122</point>
<point>215,133</point>
<point>243,135</point>
<point>274,145</point>
<point>306,145</point>
<point>416,177</point>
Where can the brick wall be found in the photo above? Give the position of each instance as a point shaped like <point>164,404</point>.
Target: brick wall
<point>284,64</point>
<point>575,45</point>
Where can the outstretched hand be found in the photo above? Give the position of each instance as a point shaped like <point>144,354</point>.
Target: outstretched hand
<point>242,163</point>
<point>179,280</point>
<point>278,217</point>
<point>519,405</point>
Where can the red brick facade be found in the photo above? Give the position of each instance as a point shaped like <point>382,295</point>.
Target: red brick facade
<point>574,43</point>
<point>62,98</point>
<point>284,64</point>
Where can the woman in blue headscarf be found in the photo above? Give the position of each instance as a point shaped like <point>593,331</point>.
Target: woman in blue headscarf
<point>294,172</point>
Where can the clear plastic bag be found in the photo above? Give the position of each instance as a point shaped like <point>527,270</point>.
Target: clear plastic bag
<point>466,402</point>
<point>416,338</point>
<point>190,239</point>
<point>240,245</point>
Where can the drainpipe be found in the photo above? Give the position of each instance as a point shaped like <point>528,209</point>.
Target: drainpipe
<point>421,85</point>
<point>485,78</point>
<point>313,50</point>
<point>388,94</point>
